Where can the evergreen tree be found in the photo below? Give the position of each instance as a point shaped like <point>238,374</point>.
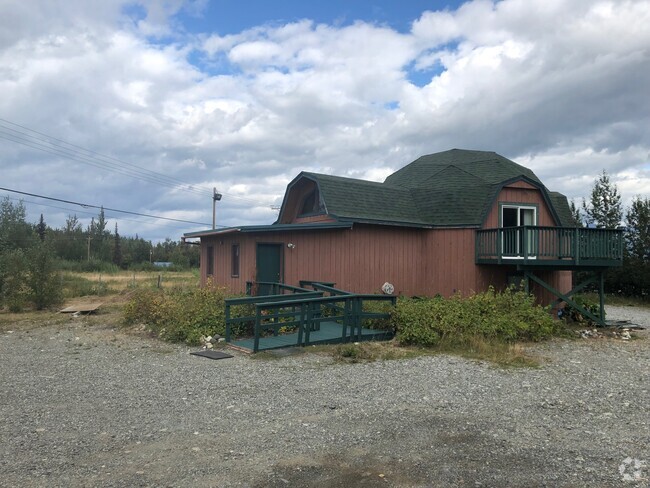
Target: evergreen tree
<point>638,229</point>
<point>604,209</point>
<point>41,228</point>
<point>576,213</point>
<point>15,232</point>
<point>117,248</point>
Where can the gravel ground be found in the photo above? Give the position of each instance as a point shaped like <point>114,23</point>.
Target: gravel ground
<point>84,405</point>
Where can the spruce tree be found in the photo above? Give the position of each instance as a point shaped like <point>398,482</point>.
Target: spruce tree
<point>637,219</point>
<point>41,228</point>
<point>117,248</point>
<point>604,210</point>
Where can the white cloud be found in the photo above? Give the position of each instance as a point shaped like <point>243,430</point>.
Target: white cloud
<point>558,86</point>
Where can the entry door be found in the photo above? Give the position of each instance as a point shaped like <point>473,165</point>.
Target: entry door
<point>269,266</point>
<point>513,217</point>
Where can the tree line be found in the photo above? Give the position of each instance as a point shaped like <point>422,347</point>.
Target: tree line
<point>604,209</point>
<point>32,254</point>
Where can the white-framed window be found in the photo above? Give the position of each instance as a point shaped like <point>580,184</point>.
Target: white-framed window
<point>518,215</point>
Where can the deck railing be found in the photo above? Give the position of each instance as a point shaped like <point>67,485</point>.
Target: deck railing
<point>550,246</point>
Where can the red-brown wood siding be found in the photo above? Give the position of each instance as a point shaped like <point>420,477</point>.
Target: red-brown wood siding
<point>521,184</point>
<point>313,218</point>
<point>361,259</point>
<point>523,196</point>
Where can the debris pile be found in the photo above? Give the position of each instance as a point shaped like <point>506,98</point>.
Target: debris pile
<point>208,342</point>
<point>623,334</point>
<point>591,334</point>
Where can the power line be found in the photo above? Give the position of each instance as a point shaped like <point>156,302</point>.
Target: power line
<point>84,212</point>
<point>46,144</point>
<point>76,156</point>
<point>88,205</point>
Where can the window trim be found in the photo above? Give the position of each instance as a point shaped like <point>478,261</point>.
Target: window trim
<point>235,259</point>
<point>209,268</point>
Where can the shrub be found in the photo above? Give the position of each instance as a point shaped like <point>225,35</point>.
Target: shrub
<point>43,279</point>
<point>502,316</point>
<point>14,292</point>
<point>179,315</point>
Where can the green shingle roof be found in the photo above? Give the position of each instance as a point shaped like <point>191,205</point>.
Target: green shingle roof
<point>451,188</point>
<point>359,199</point>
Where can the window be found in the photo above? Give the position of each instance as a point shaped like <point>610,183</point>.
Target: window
<point>311,205</point>
<point>515,241</point>
<point>515,216</point>
<point>234,261</point>
<point>210,266</point>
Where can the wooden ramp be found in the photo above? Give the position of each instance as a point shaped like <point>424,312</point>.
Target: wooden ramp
<point>329,333</point>
<point>297,316</point>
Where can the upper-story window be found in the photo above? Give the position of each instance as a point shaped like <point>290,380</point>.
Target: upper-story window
<point>311,205</point>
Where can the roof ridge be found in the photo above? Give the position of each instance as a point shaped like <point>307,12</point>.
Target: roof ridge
<point>467,172</point>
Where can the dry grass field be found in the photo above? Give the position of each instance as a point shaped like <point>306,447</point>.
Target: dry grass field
<point>77,284</point>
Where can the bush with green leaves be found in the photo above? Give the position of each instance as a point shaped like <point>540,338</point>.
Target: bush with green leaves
<point>43,278</point>
<point>506,316</point>
<point>14,292</point>
<point>179,315</point>
<point>29,278</point>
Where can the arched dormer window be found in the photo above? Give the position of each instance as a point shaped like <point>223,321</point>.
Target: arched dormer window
<point>311,205</point>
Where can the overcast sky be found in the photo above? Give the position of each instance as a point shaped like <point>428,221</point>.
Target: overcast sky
<point>242,96</point>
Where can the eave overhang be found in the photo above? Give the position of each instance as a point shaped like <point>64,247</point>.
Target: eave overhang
<point>247,229</point>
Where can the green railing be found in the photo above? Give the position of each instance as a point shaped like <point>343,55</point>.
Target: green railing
<point>550,246</point>
<point>249,302</point>
<point>303,310</point>
<point>267,288</point>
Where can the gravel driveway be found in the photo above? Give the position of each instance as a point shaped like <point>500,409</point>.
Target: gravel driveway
<point>84,405</point>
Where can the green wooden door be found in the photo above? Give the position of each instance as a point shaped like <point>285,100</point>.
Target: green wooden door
<point>269,266</point>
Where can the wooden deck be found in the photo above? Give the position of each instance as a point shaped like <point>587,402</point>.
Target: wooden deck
<point>531,246</point>
<point>329,333</point>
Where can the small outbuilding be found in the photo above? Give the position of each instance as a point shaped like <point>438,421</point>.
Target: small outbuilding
<point>454,221</point>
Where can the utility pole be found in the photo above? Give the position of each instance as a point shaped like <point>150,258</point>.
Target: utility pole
<point>89,239</point>
<point>215,198</point>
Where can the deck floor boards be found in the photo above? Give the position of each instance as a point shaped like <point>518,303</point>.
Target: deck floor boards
<point>329,333</point>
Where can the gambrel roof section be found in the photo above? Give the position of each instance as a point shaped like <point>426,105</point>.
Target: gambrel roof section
<point>453,188</point>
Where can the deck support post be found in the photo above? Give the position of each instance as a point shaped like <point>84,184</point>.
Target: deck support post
<point>565,298</point>
<point>227,317</point>
<point>576,289</point>
<point>601,296</point>
<point>301,324</point>
<point>258,318</point>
